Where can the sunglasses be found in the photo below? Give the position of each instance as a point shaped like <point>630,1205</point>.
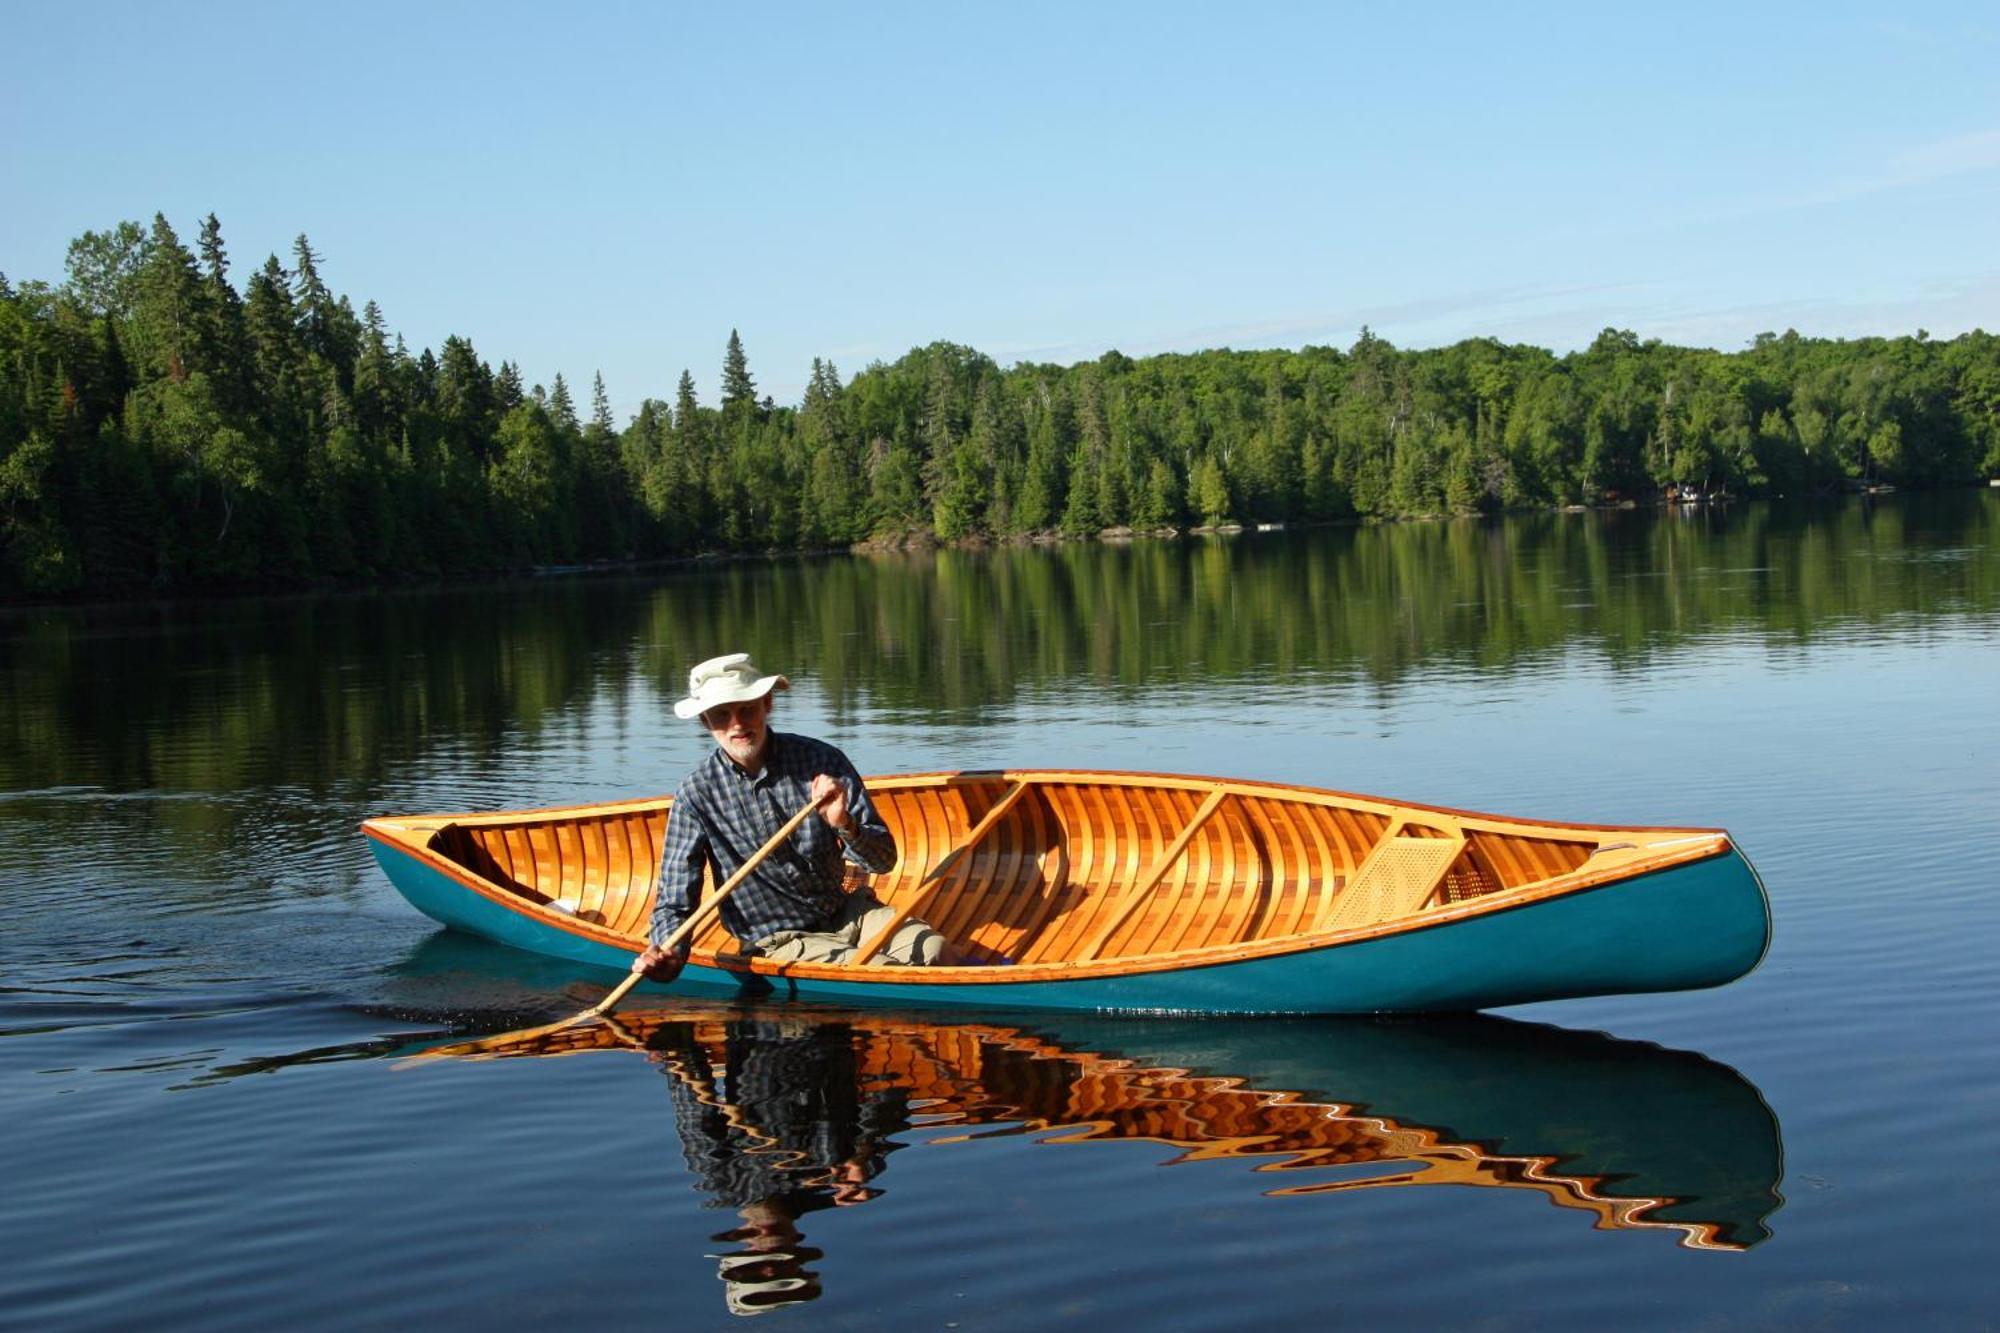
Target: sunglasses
<point>723,714</point>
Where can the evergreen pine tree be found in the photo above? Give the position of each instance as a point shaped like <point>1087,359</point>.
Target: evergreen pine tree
<point>507,391</point>
<point>314,302</point>
<point>600,405</point>
<point>165,313</point>
<point>739,391</point>
<point>222,334</point>
<point>561,409</point>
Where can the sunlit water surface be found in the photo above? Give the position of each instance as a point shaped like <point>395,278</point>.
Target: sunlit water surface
<point>210,999</point>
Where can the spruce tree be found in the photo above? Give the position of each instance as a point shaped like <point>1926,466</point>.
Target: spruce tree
<point>164,315</point>
<point>561,409</point>
<point>222,334</point>
<point>508,393</point>
<point>739,391</point>
<point>687,415</point>
<point>314,302</point>
<point>600,405</point>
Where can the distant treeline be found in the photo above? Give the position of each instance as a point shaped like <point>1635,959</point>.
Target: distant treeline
<point>161,430</point>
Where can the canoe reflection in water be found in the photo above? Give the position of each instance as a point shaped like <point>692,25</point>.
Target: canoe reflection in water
<point>784,1110</point>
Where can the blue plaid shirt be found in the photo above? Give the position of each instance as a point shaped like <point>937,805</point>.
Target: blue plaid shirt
<point>721,815</point>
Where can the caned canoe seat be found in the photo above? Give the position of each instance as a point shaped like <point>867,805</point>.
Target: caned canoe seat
<point>1396,880</point>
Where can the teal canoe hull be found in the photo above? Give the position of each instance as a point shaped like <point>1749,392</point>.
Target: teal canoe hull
<point>1691,925</point>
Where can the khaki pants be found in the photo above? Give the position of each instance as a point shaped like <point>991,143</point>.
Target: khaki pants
<point>861,918</point>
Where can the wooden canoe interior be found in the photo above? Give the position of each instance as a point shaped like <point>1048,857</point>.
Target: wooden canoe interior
<point>1076,867</point>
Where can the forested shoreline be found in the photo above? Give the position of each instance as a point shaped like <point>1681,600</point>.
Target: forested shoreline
<point>163,431</point>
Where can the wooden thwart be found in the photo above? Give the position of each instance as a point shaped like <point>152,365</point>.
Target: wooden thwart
<point>1144,885</point>
<point>952,866</point>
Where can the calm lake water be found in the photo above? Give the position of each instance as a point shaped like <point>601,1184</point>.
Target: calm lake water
<point>209,997</point>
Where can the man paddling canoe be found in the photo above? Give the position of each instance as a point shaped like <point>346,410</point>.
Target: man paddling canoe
<point>792,908</point>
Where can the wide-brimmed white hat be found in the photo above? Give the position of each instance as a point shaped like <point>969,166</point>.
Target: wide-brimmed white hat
<point>730,679</point>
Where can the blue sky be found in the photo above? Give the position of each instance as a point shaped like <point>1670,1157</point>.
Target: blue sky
<point>616,187</point>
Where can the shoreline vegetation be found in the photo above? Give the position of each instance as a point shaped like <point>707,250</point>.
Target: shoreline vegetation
<point>163,432</point>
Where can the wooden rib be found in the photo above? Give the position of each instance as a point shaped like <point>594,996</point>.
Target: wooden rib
<point>1070,894</point>
<point>943,906</point>
<point>622,876</point>
<point>1037,847</point>
<point>1073,823</point>
<point>1222,846</point>
<point>1013,876</point>
<point>618,872</point>
<point>1131,841</point>
<point>567,836</point>
<point>1031,877</point>
<point>940,835</point>
<point>1184,907</point>
<point>529,855</point>
<point>1326,866</point>
<point>1156,911</point>
<point>1278,912</point>
<point>1197,870</point>
<point>596,868</point>
<point>1085,885</point>
<point>1136,895</point>
<point>545,859</point>
<point>1351,838</point>
<point>1046,859</point>
<point>642,874</point>
<point>1016,877</point>
<point>1294,887</point>
<point>1100,880</point>
<point>984,901</point>
<point>616,895</point>
<point>1272,899</point>
<point>498,848</point>
<point>603,886</point>
<point>949,873</point>
<point>1320,871</point>
<point>913,846</point>
<point>1263,868</point>
<point>1211,904</point>
<point>495,842</point>
<point>635,915</point>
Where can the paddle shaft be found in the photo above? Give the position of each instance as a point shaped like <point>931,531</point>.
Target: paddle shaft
<point>707,907</point>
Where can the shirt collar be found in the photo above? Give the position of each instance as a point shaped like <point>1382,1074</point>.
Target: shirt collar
<point>764,776</point>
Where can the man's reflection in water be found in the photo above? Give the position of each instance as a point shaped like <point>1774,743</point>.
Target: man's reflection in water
<point>783,1129</point>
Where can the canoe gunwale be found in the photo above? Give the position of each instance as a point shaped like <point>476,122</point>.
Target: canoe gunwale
<point>415,836</point>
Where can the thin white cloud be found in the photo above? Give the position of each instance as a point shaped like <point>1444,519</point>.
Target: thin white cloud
<point>1921,164</point>
<point>1946,157</point>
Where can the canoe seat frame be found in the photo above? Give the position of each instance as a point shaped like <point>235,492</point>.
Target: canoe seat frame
<point>1400,875</point>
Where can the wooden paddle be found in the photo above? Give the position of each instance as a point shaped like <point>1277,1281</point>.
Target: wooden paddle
<point>696,920</point>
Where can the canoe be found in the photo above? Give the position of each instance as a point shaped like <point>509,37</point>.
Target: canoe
<point>1139,891</point>
<point>1635,1135</point>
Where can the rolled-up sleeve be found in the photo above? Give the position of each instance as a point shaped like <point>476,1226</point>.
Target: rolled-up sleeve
<point>866,840</point>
